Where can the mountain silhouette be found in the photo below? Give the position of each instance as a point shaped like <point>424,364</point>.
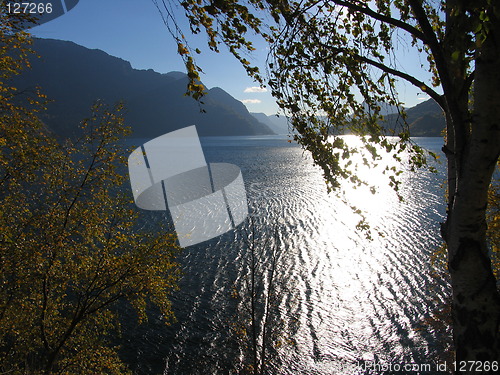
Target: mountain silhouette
<point>426,119</point>
<point>74,77</point>
<point>278,124</point>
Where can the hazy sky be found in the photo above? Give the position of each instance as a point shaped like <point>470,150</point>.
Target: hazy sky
<point>134,31</point>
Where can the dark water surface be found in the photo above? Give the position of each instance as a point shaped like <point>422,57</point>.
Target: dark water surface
<point>341,298</point>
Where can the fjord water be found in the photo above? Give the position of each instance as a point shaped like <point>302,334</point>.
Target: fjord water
<point>343,300</point>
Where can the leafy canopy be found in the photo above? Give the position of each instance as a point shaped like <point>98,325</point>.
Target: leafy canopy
<point>71,245</point>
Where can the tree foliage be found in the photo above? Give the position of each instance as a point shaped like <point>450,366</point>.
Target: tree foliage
<point>493,217</point>
<point>71,246</point>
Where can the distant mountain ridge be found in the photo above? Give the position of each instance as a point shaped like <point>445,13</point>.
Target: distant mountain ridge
<point>278,124</point>
<point>426,119</point>
<point>74,77</point>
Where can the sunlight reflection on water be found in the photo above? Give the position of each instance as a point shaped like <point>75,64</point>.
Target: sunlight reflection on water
<point>367,296</point>
<point>344,298</point>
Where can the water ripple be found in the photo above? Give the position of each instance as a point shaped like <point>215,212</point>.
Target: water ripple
<point>340,298</point>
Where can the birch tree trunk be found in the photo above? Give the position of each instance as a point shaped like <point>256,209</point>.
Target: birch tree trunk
<point>476,299</point>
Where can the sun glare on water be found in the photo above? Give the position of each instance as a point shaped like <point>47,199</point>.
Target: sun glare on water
<point>375,197</point>
<point>359,287</point>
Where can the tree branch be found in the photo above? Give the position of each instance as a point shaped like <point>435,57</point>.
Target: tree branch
<point>385,19</point>
<point>432,41</point>
<point>468,84</point>
<point>421,85</point>
<point>427,37</point>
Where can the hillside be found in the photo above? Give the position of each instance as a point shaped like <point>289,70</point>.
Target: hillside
<point>74,77</point>
<point>425,120</point>
<point>279,125</point>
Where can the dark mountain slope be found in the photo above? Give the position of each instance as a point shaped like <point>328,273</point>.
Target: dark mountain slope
<point>74,77</point>
<point>425,119</point>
